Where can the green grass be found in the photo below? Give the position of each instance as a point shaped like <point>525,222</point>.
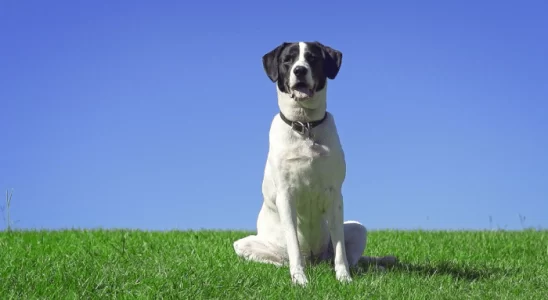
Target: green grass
<point>100,264</point>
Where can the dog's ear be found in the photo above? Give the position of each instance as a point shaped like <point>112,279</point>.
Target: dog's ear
<point>270,62</point>
<point>332,61</point>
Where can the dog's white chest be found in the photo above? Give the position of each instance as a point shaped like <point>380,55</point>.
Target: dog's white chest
<point>308,150</point>
<point>311,168</point>
<point>306,163</point>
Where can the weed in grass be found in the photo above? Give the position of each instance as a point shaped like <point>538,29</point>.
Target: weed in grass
<point>5,210</point>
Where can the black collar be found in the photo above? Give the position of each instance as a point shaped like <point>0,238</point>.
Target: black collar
<point>302,127</point>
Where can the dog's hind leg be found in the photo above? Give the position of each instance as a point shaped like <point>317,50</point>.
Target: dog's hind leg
<point>254,249</point>
<point>355,237</point>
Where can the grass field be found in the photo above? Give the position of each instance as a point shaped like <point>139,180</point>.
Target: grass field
<point>80,264</point>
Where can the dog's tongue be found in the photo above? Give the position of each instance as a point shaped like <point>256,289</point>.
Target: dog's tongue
<point>305,90</point>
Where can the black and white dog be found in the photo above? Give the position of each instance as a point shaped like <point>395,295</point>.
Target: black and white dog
<point>301,218</point>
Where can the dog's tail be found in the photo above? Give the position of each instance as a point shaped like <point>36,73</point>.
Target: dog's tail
<point>382,262</point>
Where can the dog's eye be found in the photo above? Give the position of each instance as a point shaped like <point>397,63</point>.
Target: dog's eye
<point>287,60</point>
<point>312,58</point>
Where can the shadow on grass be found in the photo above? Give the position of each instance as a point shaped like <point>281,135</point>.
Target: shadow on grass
<point>461,272</point>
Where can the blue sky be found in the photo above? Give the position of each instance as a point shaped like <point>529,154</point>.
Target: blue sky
<point>156,116</point>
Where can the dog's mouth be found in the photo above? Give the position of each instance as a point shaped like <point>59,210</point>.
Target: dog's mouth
<point>301,91</point>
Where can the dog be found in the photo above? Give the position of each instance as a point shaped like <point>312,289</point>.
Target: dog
<point>301,218</point>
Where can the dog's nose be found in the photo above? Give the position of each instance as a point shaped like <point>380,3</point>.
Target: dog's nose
<point>300,71</point>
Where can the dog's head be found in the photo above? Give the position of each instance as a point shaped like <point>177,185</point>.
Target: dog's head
<point>302,69</point>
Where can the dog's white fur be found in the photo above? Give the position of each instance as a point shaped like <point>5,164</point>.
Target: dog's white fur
<point>301,218</point>
<point>301,62</point>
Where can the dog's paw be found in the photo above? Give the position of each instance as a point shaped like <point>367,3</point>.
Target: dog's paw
<point>343,275</point>
<point>241,251</point>
<point>344,278</point>
<point>299,279</point>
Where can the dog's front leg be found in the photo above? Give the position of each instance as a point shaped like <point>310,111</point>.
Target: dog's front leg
<point>288,220</point>
<point>336,230</point>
